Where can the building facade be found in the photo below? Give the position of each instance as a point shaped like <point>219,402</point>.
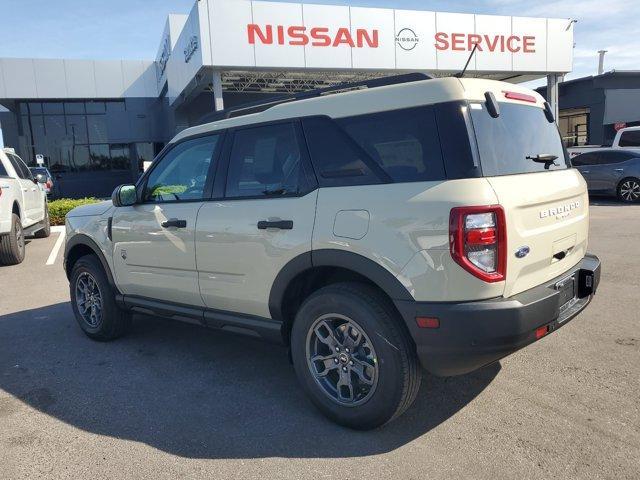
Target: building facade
<point>592,109</point>
<point>94,123</point>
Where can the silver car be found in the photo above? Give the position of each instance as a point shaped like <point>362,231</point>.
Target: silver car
<point>611,172</point>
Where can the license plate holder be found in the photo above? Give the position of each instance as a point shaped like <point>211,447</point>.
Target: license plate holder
<point>567,294</point>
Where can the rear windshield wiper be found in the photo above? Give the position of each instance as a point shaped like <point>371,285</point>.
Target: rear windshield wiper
<point>545,158</point>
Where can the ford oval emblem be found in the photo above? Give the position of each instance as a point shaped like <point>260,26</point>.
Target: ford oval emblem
<point>522,252</point>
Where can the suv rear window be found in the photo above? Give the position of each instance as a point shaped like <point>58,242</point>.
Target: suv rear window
<point>521,131</point>
<point>630,138</point>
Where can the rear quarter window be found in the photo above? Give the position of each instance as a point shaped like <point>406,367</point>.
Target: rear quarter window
<point>3,171</point>
<point>521,131</point>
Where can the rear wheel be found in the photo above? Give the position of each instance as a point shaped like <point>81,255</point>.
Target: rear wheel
<point>46,229</point>
<point>12,246</point>
<point>93,301</point>
<point>629,190</point>
<point>353,356</point>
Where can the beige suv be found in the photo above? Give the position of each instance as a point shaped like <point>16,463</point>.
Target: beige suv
<point>371,228</point>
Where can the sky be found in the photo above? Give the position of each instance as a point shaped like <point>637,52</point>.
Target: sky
<point>132,29</point>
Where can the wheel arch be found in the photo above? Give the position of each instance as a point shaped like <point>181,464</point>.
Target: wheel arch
<point>302,272</point>
<point>15,208</point>
<point>80,245</point>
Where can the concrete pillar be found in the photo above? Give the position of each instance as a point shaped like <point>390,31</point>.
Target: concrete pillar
<point>217,91</point>
<point>552,93</point>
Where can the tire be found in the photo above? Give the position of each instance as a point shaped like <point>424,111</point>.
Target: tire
<point>381,390</point>
<point>629,190</point>
<point>99,317</point>
<point>12,245</point>
<point>45,231</point>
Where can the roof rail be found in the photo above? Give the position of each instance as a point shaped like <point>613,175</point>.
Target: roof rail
<point>262,105</point>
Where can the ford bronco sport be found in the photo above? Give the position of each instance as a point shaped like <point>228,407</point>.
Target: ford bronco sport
<point>432,222</point>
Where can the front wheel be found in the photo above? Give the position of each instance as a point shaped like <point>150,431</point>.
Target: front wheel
<point>93,301</point>
<point>629,190</point>
<point>353,356</point>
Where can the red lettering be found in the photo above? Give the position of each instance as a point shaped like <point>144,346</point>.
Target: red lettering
<point>280,35</point>
<point>343,36</point>
<point>320,37</point>
<point>474,40</point>
<point>254,30</point>
<point>457,41</point>
<point>529,44</point>
<point>297,35</point>
<point>442,41</point>
<point>492,46</point>
<point>362,36</point>
<point>510,40</point>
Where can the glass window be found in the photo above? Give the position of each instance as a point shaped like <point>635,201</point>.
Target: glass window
<point>99,157</point>
<point>97,128</point>
<point>115,106</point>
<point>506,143</point>
<point>264,161</point>
<point>77,128</point>
<point>337,158</point>
<point>96,107</point>
<point>182,173</point>
<point>145,153</point>
<point>610,157</point>
<point>3,171</point>
<point>35,108</point>
<point>80,159</point>
<point>74,107</point>
<point>54,126</point>
<point>403,142</point>
<point>21,169</point>
<point>53,108</point>
<point>630,138</point>
<point>583,159</point>
<point>120,157</point>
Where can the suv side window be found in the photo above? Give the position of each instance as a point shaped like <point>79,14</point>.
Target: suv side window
<point>630,139</point>
<point>404,143</point>
<point>3,171</point>
<point>21,169</point>
<point>338,160</point>
<point>265,161</point>
<point>182,174</point>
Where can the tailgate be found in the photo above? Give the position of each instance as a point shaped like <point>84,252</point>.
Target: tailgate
<point>548,212</point>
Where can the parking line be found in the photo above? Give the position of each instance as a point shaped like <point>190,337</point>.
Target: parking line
<point>56,248</point>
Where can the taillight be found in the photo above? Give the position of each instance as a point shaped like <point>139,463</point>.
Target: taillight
<point>49,184</point>
<point>478,241</point>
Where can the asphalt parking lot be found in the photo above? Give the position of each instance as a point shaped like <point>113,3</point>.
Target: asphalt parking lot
<point>177,401</point>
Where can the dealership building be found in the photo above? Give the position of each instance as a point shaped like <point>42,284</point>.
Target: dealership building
<point>94,122</point>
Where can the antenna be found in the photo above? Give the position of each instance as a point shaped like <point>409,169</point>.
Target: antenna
<point>461,74</point>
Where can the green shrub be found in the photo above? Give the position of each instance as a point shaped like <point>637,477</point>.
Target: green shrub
<point>59,208</point>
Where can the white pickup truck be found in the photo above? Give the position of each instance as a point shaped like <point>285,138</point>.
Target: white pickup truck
<point>626,138</point>
<point>23,207</point>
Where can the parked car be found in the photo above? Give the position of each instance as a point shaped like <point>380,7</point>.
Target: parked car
<point>611,172</point>
<point>48,183</point>
<point>23,208</point>
<point>626,139</point>
<point>405,222</point>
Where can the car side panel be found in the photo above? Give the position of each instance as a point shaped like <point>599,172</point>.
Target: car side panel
<point>407,234</point>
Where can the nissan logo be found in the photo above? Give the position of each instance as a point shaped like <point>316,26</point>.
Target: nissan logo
<point>407,39</point>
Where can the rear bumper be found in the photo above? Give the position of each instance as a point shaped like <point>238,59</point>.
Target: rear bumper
<point>474,334</point>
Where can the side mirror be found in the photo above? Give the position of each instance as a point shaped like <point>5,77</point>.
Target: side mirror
<point>41,178</point>
<point>124,196</point>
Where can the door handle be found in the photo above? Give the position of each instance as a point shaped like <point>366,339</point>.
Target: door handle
<point>279,224</point>
<point>618,169</point>
<point>585,171</point>
<point>174,222</point>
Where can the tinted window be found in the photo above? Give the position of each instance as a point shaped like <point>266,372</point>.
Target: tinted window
<point>21,169</point>
<point>265,161</point>
<point>603,158</point>
<point>630,139</point>
<point>521,131</point>
<point>338,160</point>
<point>584,159</point>
<point>404,143</point>
<point>182,173</point>
<point>3,171</point>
